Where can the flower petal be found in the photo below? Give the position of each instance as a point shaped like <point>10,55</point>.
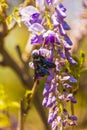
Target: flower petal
<point>36,28</point>
<point>72,79</point>
<point>35,18</point>
<point>49,2</point>
<point>65,25</point>
<point>27,12</point>
<point>72,117</point>
<point>60,12</point>
<point>67,39</point>
<point>61,30</point>
<point>40,5</point>
<point>54,20</point>
<point>36,39</point>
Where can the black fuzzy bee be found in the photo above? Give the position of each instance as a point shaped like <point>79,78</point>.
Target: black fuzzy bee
<point>41,71</point>
<point>41,65</point>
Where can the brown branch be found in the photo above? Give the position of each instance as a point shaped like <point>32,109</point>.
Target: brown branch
<point>21,71</point>
<point>21,117</point>
<point>26,80</point>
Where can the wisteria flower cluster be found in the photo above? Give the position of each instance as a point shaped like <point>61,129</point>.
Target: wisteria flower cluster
<point>49,29</point>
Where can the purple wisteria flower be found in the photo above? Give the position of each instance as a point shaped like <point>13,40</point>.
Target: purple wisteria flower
<point>49,29</point>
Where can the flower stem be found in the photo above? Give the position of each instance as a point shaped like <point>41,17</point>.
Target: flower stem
<point>34,88</point>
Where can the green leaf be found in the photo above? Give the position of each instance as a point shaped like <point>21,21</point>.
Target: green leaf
<point>3,4</point>
<point>13,17</point>
<point>28,92</point>
<point>61,107</point>
<point>16,15</point>
<point>9,20</point>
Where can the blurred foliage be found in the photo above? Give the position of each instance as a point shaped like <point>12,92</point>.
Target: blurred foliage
<point>83,47</point>
<point>12,90</point>
<point>3,4</point>
<point>13,16</point>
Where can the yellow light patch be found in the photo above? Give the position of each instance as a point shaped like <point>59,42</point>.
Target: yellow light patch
<point>61,108</point>
<point>48,20</point>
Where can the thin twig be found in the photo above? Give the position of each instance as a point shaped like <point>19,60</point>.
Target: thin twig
<point>23,112</point>
<point>21,117</point>
<point>19,53</point>
<point>34,88</point>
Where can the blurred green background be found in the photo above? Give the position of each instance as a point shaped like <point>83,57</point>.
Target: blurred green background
<point>11,87</point>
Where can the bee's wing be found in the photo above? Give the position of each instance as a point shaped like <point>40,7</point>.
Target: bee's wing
<point>44,70</point>
<point>48,64</point>
<point>41,71</point>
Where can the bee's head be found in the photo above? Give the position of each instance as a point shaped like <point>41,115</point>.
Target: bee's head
<point>35,53</point>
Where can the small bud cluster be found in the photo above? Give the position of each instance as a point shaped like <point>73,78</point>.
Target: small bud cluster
<point>49,29</point>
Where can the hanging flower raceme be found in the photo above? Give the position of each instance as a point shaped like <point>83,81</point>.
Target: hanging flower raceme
<point>49,29</point>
